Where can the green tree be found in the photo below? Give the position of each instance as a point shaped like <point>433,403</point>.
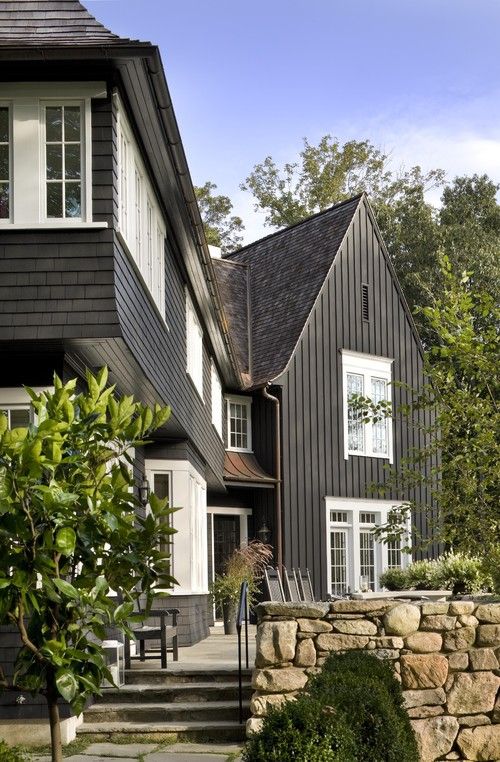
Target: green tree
<point>221,228</point>
<point>70,532</point>
<point>462,423</point>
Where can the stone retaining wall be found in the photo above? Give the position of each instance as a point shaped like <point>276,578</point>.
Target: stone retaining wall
<point>445,654</point>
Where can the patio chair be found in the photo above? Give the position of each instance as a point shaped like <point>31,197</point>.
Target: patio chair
<point>274,586</point>
<point>291,586</point>
<point>305,586</point>
<point>161,632</point>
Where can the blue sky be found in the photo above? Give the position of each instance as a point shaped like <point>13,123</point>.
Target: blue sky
<point>419,78</point>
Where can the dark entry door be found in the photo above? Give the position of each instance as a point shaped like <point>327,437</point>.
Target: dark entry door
<point>226,539</point>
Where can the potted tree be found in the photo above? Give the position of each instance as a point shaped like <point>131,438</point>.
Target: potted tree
<point>245,564</point>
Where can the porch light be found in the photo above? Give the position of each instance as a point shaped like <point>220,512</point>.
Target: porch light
<point>264,533</point>
<point>144,491</point>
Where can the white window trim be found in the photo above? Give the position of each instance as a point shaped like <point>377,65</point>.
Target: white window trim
<point>368,366</point>
<point>194,346</point>
<point>26,102</point>
<point>217,403</point>
<point>247,402</point>
<point>354,507</point>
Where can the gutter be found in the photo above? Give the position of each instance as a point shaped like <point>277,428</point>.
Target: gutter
<point>278,493</point>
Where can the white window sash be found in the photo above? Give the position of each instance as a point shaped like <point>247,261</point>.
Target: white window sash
<point>246,403</point>
<point>217,407</point>
<point>194,346</point>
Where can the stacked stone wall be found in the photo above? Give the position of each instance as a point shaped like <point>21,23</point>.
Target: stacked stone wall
<point>446,656</point>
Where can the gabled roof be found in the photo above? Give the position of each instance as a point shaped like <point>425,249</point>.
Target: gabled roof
<point>52,23</point>
<point>287,270</point>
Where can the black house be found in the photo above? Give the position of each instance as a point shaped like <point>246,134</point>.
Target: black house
<point>103,260</point>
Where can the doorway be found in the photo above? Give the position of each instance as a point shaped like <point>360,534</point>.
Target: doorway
<point>226,540</point>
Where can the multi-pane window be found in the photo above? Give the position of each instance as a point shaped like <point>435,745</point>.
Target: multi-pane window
<point>366,560</point>
<point>216,401</point>
<point>338,562</point>
<point>4,163</point>
<point>194,346</point>
<point>239,423</point>
<point>366,376</point>
<point>138,213</point>
<point>394,557</point>
<point>17,417</point>
<point>63,161</point>
<point>161,488</point>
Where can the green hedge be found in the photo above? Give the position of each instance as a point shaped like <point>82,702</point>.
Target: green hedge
<point>452,571</point>
<point>352,712</point>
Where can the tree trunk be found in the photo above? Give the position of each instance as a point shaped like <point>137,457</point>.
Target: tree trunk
<point>55,724</point>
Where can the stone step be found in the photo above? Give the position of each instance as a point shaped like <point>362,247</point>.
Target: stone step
<point>206,711</point>
<point>175,692</point>
<point>178,675</point>
<point>193,731</point>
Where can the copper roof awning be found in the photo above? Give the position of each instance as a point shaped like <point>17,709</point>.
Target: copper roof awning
<point>243,469</point>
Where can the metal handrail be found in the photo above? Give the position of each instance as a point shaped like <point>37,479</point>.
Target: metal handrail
<point>242,616</point>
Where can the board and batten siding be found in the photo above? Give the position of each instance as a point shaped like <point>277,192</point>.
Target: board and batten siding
<point>312,402</point>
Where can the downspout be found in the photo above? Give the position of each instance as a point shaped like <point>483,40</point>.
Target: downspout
<point>277,454</point>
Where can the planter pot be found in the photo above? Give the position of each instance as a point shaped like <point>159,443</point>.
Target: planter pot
<point>229,616</point>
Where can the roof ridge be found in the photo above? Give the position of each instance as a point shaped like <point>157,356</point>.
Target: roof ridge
<point>296,224</point>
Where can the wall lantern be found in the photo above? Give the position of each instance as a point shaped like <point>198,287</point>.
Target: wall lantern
<point>144,491</point>
<point>264,533</point>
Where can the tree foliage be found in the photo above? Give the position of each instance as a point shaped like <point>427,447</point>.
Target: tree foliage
<point>221,227</point>
<point>70,533</point>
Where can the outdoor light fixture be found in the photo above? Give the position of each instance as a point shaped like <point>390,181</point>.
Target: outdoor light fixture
<point>144,491</point>
<point>264,533</point>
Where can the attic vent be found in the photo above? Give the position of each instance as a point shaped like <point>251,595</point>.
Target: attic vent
<point>364,301</point>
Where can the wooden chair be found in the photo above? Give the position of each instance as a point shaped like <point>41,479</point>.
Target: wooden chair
<point>305,586</point>
<point>274,586</point>
<point>162,632</point>
<point>291,586</point>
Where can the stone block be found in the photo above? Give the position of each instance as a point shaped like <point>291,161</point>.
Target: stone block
<point>488,612</point>
<point>461,607</point>
<point>482,659</point>
<point>275,643</point>
<point>472,693</point>
<point>355,627</point>
<point>435,607</point>
<point>313,625</point>
<point>496,711</point>
<point>424,671</point>
<point>371,607</point>
<point>482,743</point>
<point>305,654</point>
<point>120,750</point>
<point>424,642</point>
<point>292,610</point>
<point>473,720</point>
<point>468,620</point>
<point>279,680</point>
<point>386,653</point>
<point>438,622</point>
<point>435,736</point>
<point>386,642</point>
<point>260,705</point>
<point>459,640</point>
<point>337,642</point>
<point>254,725</point>
<point>402,619</point>
<point>419,712</point>
<point>458,660</point>
<point>488,635</point>
<point>431,697</point>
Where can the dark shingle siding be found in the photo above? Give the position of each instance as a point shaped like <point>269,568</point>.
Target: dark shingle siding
<point>27,23</point>
<point>287,270</point>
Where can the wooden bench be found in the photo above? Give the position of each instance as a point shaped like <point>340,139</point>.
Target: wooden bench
<point>163,632</point>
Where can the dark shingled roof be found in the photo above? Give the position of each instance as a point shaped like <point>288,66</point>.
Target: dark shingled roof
<point>287,270</point>
<point>52,23</point>
<point>233,283</point>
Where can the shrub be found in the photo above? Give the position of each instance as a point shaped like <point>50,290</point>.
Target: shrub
<point>353,712</point>
<point>12,753</point>
<point>424,575</point>
<point>463,574</point>
<point>395,579</point>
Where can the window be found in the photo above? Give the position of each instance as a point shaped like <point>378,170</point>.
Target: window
<point>46,154</point>
<point>194,346</point>
<point>365,312</point>
<point>17,416</point>
<point>355,557</point>
<point>4,163</point>
<point>161,488</point>
<point>367,376</point>
<point>216,400</point>
<point>239,424</point>
<point>141,223</point>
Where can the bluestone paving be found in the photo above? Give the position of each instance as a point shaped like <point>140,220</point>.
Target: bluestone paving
<point>168,756</point>
<point>120,750</point>
<point>204,748</point>
<point>95,758</point>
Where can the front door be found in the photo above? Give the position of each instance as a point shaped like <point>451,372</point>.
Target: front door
<point>226,540</point>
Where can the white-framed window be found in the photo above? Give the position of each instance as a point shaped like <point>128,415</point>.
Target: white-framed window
<point>367,376</point>
<point>161,484</point>
<point>194,346</point>
<point>239,423</point>
<point>356,558</point>
<point>46,154</point>
<point>18,416</point>
<point>141,222</point>
<point>216,400</point>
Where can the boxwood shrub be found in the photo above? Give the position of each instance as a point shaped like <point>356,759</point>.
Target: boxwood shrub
<point>352,712</point>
